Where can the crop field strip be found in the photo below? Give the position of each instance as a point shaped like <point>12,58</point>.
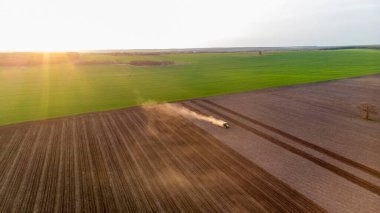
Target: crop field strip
<point>131,160</point>
<point>329,153</point>
<point>342,173</point>
<point>23,85</point>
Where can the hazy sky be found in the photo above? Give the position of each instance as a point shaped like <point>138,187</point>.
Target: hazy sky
<point>124,24</point>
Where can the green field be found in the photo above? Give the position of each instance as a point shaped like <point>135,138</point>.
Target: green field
<point>52,90</point>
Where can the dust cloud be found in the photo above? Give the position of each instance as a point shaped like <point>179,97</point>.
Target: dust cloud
<point>173,109</point>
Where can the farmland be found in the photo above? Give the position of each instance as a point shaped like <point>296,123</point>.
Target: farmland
<point>35,91</point>
<point>132,160</point>
<point>288,149</point>
<point>310,136</point>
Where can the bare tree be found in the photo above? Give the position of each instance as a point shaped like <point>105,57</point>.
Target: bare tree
<point>367,109</point>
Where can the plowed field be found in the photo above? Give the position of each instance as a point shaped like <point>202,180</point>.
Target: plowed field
<point>132,160</point>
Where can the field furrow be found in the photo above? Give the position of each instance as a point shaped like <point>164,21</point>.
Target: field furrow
<point>344,174</point>
<point>334,155</point>
<point>135,160</point>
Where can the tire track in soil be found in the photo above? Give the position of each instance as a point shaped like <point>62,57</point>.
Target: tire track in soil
<point>27,196</point>
<point>78,205</point>
<point>131,171</point>
<point>88,199</point>
<point>160,174</point>
<point>148,191</point>
<point>132,200</point>
<point>99,185</point>
<point>52,197</point>
<point>71,177</point>
<point>60,140</point>
<point>10,153</point>
<point>297,200</point>
<point>19,166</point>
<point>340,172</point>
<point>66,179</point>
<point>192,195</point>
<point>49,188</point>
<point>188,167</point>
<point>6,141</point>
<point>166,200</point>
<point>220,192</point>
<point>46,176</point>
<point>163,173</point>
<point>300,141</point>
<point>105,170</point>
<point>121,184</point>
<point>100,171</point>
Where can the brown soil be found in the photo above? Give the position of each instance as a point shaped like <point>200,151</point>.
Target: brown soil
<point>367,185</point>
<point>310,136</point>
<point>132,160</point>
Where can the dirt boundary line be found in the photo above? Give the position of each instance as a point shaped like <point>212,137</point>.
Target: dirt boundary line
<point>329,153</point>
<point>344,174</point>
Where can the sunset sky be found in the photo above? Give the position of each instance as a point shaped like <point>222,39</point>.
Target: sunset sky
<point>61,25</point>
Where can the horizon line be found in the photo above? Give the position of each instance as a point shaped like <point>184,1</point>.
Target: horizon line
<point>295,47</point>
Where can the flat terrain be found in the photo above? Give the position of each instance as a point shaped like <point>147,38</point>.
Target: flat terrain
<point>133,160</point>
<point>311,137</point>
<point>301,148</point>
<point>39,86</point>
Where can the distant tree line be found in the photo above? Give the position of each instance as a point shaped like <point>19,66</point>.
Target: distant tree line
<point>352,47</point>
<point>151,63</point>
